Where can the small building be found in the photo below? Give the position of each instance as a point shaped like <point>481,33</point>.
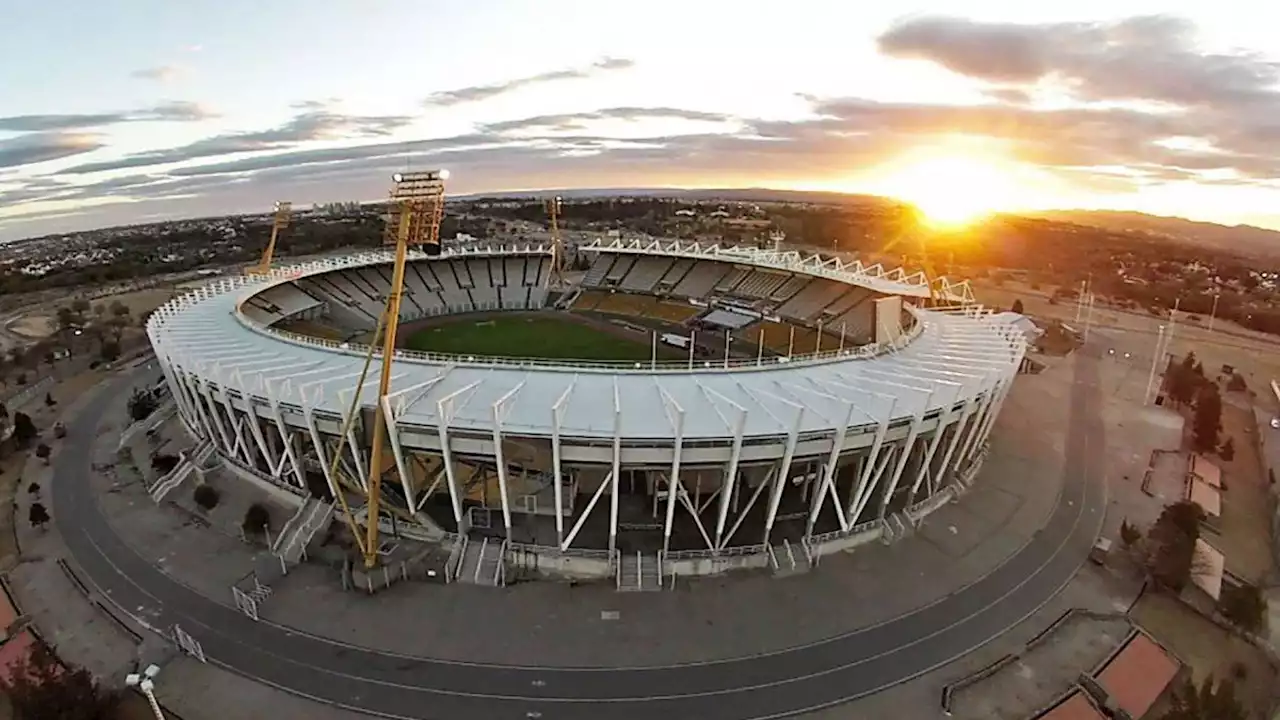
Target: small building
<point>1136,675</point>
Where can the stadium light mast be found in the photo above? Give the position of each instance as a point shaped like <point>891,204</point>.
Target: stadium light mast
<point>417,206</point>
<point>556,277</point>
<point>279,221</point>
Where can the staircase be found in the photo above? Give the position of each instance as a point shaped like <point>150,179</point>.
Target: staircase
<point>789,558</point>
<point>483,563</point>
<point>313,516</point>
<point>639,572</point>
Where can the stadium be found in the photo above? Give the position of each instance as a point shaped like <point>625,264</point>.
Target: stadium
<point>669,409</point>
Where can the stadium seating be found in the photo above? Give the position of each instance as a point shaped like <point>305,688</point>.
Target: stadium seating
<point>790,288</point>
<point>760,283</point>
<point>673,276</point>
<point>645,273</point>
<point>599,268</point>
<point>808,304</point>
<point>700,280</point>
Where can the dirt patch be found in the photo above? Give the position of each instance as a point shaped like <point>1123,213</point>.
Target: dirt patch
<point>1245,537</point>
<point>1208,649</point>
<point>34,327</point>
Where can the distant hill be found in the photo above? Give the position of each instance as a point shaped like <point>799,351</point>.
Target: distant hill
<point>1235,238</point>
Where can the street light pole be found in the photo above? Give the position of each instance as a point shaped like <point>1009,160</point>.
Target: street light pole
<point>1155,362</point>
<point>145,682</point>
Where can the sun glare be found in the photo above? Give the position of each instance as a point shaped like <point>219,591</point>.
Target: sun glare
<point>951,191</point>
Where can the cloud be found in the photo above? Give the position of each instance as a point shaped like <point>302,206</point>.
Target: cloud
<point>477,93</point>
<point>577,121</point>
<point>312,125</point>
<point>176,111</point>
<point>160,73</point>
<point>1153,58</point>
<point>42,147</point>
<point>1226,100</point>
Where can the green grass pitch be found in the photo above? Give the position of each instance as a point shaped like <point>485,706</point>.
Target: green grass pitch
<point>530,337</point>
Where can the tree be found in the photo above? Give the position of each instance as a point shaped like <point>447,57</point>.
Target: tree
<point>141,405</point>
<point>43,452</point>
<point>206,496</point>
<point>39,688</point>
<point>1207,420</point>
<point>1180,380</point>
<point>1129,534</point>
<point>1017,305</point>
<point>38,515</point>
<point>1209,701</point>
<point>1244,607</point>
<point>110,350</point>
<point>257,518</point>
<point>4,412</point>
<point>24,431</point>
<point>1171,544</point>
<point>1228,450</point>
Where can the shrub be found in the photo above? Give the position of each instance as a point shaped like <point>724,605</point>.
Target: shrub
<point>38,515</point>
<point>257,518</point>
<point>163,463</point>
<point>38,686</point>
<point>34,488</point>
<point>206,496</point>
<point>141,405</point>
<point>1129,534</point>
<point>1245,607</point>
<point>24,431</point>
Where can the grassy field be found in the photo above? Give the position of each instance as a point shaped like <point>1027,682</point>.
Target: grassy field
<point>532,337</point>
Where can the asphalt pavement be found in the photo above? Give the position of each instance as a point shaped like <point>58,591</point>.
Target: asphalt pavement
<point>772,685</point>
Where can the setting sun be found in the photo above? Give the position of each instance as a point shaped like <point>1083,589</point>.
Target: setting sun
<point>952,190</point>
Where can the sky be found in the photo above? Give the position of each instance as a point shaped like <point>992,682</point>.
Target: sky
<point>141,110</point>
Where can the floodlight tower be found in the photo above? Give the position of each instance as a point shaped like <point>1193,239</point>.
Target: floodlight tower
<point>279,221</point>
<point>417,205</point>
<point>556,277</point>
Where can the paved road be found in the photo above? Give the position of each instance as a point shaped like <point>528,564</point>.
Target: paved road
<point>766,686</point>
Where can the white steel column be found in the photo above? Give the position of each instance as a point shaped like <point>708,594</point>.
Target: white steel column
<point>675,414</point>
<point>285,438</point>
<point>444,415</point>
<point>968,411</point>
<point>617,468</point>
<point>907,446</point>
<point>784,474</point>
<point>945,414</point>
<point>828,487</point>
<point>393,435</point>
<point>863,489</point>
<point>730,481</point>
<point>557,417</point>
<point>499,411</point>
<point>991,418</point>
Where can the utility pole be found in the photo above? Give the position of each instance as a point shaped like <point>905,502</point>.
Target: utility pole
<point>1214,312</point>
<point>1155,363</point>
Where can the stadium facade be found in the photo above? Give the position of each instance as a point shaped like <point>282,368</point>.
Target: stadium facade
<point>839,407</point>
